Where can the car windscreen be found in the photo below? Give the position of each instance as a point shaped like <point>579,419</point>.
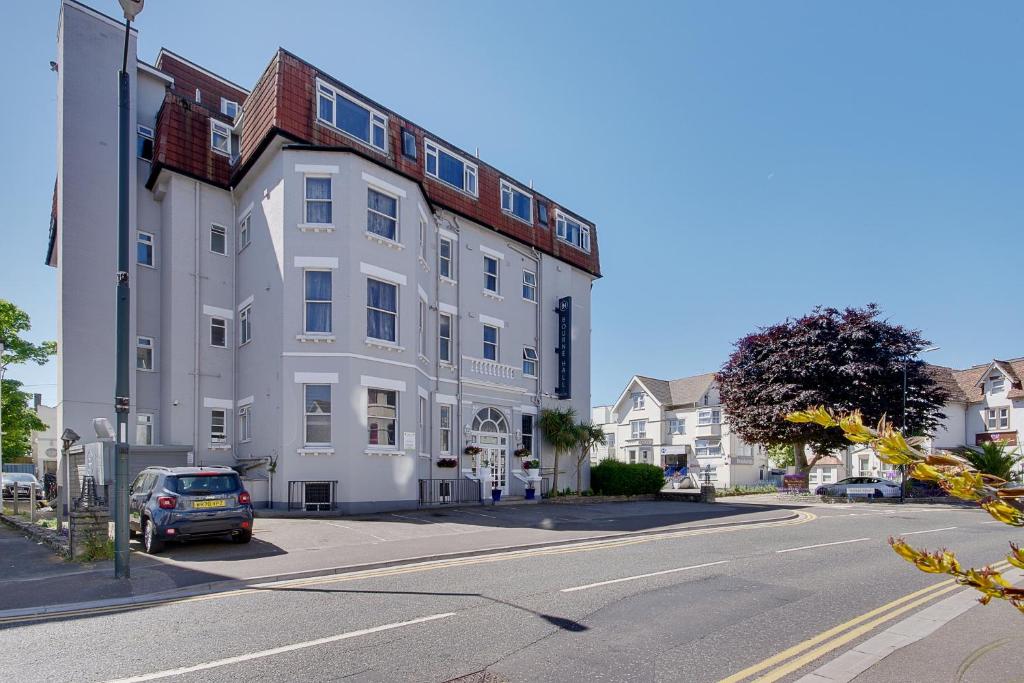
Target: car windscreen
<point>19,477</point>
<point>205,484</point>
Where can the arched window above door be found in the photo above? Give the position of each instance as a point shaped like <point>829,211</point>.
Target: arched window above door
<point>490,420</point>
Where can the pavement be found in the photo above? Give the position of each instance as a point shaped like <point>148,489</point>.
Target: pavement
<point>290,547</point>
<point>694,603</point>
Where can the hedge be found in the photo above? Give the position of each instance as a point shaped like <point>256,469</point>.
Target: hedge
<point>614,478</point>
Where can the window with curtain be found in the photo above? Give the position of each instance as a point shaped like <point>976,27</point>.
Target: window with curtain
<point>449,168</point>
<point>382,417</point>
<point>381,214</point>
<point>318,200</point>
<point>490,342</point>
<point>516,202</point>
<point>381,310</point>
<point>337,109</point>
<point>318,301</point>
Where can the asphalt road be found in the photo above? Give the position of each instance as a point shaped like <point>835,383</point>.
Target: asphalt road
<point>690,606</point>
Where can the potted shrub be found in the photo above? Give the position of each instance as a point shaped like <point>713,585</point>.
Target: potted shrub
<point>522,453</point>
<point>472,450</point>
<point>447,462</point>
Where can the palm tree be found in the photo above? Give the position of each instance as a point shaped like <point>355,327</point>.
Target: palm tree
<point>559,428</point>
<point>588,437</point>
<point>992,457</point>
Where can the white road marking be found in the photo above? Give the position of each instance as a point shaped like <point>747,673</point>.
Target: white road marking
<point>478,514</point>
<point>358,531</point>
<point>641,576</point>
<point>415,519</point>
<point>822,545</point>
<point>927,531</point>
<point>278,650</point>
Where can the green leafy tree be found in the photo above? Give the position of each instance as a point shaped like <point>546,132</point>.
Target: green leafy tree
<point>993,458</point>
<point>559,428</point>
<point>18,419</point>
<point>956,476</point>
<point>781,455</point>
<point>849,359</point>
<point>588,437</point>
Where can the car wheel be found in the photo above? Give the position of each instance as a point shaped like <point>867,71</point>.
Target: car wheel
<point>243,536</point>
<point>151,545</point>
<point>878,494</point>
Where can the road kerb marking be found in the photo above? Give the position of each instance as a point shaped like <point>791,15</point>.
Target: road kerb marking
<point>795,650</point>
<point>927,531</point>
<point>278,650</point>
<point>822,545</point>
<point>802,517</point>
<point>642,576</point>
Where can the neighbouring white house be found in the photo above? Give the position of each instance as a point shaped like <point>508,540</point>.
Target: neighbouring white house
<point>45,443</point>
<point>678,423</point>
<point>986,404</point>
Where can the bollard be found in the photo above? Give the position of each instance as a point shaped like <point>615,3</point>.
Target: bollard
<point>32,504</point>
<point>14,493</point>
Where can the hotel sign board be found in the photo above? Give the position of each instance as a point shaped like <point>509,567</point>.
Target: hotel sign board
<point>564,350</point>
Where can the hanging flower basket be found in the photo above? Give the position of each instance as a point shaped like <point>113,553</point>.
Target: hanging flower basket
<point>522,453</point>
<point>447,462</point>
<point>472,450</point>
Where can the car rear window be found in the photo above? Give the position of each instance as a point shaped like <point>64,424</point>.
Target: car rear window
<point>205,484</point>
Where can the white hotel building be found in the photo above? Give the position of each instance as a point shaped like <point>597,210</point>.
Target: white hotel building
<point>324,294</point>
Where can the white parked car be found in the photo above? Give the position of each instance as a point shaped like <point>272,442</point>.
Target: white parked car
<point>873,487</point>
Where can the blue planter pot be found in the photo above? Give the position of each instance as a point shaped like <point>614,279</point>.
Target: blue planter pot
<point>496,495</point>
<point>529,494</point>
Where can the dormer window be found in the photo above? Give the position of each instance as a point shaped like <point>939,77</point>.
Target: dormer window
<point>228,107</point>
<point>574,232</point>
<point>338,110</point>
<point>996,382</point>
<point>450,168</point>
<point>516,202</point>
<point>638,400</point>
<point>220,137</point>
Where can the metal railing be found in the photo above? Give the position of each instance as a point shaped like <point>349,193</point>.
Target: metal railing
<point>449,491</point>
<point>312,496</point>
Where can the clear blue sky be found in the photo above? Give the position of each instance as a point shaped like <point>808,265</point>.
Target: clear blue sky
<point>744,161</point>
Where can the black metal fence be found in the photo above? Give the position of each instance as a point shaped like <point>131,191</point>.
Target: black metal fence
<point>449,491</point>
<point>312,496</point>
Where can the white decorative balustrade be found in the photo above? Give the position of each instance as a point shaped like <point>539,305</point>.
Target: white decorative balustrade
<point>489,368</point>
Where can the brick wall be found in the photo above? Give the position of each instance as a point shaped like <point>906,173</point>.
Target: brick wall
<point>187,79</point>
<point>182,143</point>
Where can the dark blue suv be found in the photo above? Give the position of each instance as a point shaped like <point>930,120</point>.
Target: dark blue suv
<point>180,503</point>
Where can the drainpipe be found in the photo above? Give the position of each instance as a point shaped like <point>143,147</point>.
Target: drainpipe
<point>198,311</point>
<point>457,345</point>
<point>437,353</point>
<point>233,345</point>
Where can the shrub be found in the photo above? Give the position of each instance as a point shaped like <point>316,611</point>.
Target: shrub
<point>742,490</point>
<point>614,478</point>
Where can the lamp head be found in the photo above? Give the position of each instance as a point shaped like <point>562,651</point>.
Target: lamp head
<point>131,8</point>
<point>69,436</point>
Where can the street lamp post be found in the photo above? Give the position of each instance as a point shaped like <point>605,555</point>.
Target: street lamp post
<point>122,391</point>
<point>903,422</point>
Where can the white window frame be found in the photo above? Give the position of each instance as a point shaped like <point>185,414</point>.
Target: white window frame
<point>496,275</point>
<point>245,424</point>
<point>222,437</point>
<point>638,429</point>
<point>529,288</point>
<point>378,119</point>
<point>147,238</point>
<point>146,133</point>
<point>639,400</point>
<point>306,414</point>
<point>997,419</point>
<point>445,432</point>
<point>216,228</point>
<point>677,425</point>
<point>422,322</point>
<point>224,329</point>
<point>709,416</point>
<point>245,231</point>
<point>423,240</point>
<point>704,447</point>
<point>445,345</point>
<point>245,325</point>
<point>143,342</point>
<point>449,260</point>
<point>470,171</point>
<point>396,418</point>
<point>496,343</point>
<point>562,222</point>
<point>508,191</point>
<point>226,104</point>
<point>398,294</point>
<point>306,301</point>
<point>997,382</point>
<point>422,446</point>
<point>144,421</point>
<point>306,198</point>
<point>224,130</point>
<point>530,360</point>
<point>394,219</point>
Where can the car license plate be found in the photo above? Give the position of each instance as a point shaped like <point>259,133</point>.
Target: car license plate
<point>209,503</point>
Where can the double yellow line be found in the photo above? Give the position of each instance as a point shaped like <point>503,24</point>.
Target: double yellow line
<point>802,517</point>
<point>802,654</point>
